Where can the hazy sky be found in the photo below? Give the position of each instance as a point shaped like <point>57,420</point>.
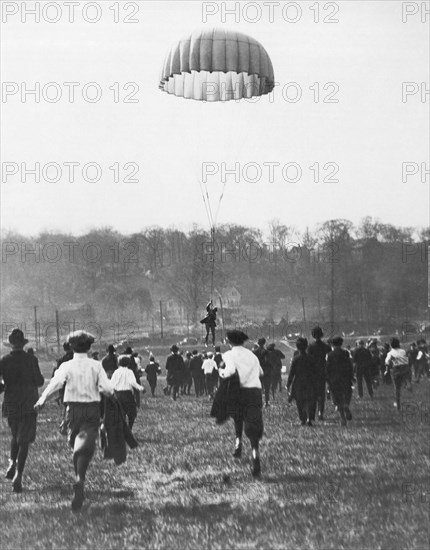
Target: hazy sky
<point>368,133</point>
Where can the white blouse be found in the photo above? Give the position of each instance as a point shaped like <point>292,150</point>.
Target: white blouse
<point>246,364</point>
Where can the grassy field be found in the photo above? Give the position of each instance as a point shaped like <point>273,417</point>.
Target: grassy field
<point>327,487</point>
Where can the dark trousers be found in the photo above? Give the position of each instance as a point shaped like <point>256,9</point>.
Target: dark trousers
<point>198,387</point>
<point>211,329</point>
<point>364,371</point>
<point>276,381</point>
<point>341,395</point>
<point>321,394</point>
<point>128,403</point>
<point>249,415</point>
<point>399,381</point>
<point>267,383</point>
<point>306,409</point>
<point>152,384</point>
<point>175,390</point>
<point>186,386</point>
<point>209,384</point>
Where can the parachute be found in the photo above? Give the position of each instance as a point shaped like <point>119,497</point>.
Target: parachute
<point>217,65</point>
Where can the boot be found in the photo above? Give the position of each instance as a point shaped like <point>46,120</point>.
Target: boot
<point>256,466</point>
<point>17,483</point>
<point>78,497</point>
<point>238,448</point>
<point>10,472</point>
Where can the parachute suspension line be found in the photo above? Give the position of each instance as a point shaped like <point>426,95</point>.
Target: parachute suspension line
<point>212,260</point>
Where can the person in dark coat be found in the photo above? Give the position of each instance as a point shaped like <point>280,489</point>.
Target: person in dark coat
<point>152,370</point>
<point>318,350</point>
<point>303,380</point>
<point>22,377</point>
<point>248,414</point>
<point>188,381</point>
<point>362,360</point>
<point>421,360</point>
<point>175,371</point>
<point>197,373</point>
<point>133,367</point>
<point>110,361</point>
<point>374,366</point>
<point>386,378</point>
<point>340,378</point>
<point>261,352</point>
<point>274,359</point>
<point>218,360</point>
<point>210,322</point>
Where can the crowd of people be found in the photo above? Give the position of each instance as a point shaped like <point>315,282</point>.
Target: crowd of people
<point>236,381</point>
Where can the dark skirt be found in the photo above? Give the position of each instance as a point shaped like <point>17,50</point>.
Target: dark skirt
<point>23,428</point>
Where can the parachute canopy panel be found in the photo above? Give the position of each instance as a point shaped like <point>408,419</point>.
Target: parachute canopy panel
<point>217,65</point>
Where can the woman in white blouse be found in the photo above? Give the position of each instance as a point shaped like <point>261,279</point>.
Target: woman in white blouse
<point>249,414</point>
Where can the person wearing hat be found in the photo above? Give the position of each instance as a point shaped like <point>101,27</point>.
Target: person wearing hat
<point>261,353</point>
<point>362,360</point>
<point>152,370</point>
<point>249,413</point>
<point>187,381</point>
<point>210,322</point>
<point>110,361</point>
<point>303,381</point>
<point>124,382</point>
<point>133,367</point>
<point>85,379</point>
<point>318,350</point>
<point>197,372</point>
<point>274,359</point>
<point>340,377</point>
<point>209,366</point>
<point>22,377</point>
<point>175,370</point>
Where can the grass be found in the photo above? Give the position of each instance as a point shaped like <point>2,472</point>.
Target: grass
<point>364,487</point>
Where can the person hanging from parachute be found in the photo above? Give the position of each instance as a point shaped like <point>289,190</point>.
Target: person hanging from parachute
<point>211,66</point>
<point>210,322</point>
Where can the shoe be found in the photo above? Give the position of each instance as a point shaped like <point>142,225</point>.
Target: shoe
<point>321,417</point>
<point>78,498</point>
<point>256,467</point>
<point>10,472</point>
<point>309,423</point>
<point>17,484</point>
<point>267,405</point>
<point>343,422</point>
<point>348,414</point>
<point>238,452</point>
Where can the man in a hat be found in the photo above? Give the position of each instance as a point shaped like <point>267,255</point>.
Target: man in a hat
<point>197,372</point>
<point>22,378</point>
<point>318,350</point>
<point>85,379</point>
<point>362,359</point>
<point>110,361</point>
<point>340,377</point>
<point>175,369</point>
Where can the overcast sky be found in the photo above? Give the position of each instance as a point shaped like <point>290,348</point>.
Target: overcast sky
<point>368,133</point>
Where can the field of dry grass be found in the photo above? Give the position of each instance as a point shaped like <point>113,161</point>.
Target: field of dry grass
<point>327,487</point>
